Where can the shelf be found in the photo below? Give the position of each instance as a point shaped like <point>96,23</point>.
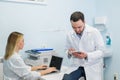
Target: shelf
<point>108,52</point>
<point>41,2</point>
<point>100,27</point>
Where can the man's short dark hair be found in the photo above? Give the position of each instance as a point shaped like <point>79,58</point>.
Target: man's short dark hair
<point>77,16</point>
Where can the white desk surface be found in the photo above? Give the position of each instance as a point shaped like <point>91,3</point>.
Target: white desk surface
<point>59,76</point>
<point>52,76</point>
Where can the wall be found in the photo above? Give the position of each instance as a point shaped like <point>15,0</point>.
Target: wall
<point>110,9</point>
<point>46,25</point>
<point>42,25</point>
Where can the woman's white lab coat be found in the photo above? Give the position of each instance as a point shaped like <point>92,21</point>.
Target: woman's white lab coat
<point>15,69</point>
<point>92,43</point>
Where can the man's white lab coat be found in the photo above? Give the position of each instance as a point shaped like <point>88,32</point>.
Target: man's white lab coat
<point>91,43</point>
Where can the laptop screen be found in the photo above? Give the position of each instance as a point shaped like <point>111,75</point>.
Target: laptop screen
<point>56,62</point>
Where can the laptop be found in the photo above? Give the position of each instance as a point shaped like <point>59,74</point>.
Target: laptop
<point>56,62</point>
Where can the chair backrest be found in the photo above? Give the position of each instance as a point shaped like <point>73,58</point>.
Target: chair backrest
<point>1,68</point>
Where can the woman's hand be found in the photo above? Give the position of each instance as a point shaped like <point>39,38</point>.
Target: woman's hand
<point>43,67</point>
<point>34,68</point>
<point>49,70</point>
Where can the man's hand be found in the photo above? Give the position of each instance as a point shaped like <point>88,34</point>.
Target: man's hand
<point>71,50</point>
<point>80,55</point>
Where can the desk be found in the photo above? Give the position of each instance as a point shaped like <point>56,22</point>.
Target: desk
<point>59,76</point>
<point>52,76</point>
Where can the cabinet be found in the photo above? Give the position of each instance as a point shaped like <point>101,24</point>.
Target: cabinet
<point>100,23</point>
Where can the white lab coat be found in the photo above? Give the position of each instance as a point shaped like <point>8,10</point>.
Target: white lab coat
<point>92,43</point>
<point>15,69</point>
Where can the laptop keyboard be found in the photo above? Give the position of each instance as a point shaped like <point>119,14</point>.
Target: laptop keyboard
<point>54,71</point>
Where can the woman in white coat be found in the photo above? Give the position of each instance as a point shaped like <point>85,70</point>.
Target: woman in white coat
<point>85,46</point>
<point>14,67</point>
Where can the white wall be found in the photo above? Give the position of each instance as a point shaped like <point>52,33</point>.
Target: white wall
<point>38,21</point>
<point>110,9</point>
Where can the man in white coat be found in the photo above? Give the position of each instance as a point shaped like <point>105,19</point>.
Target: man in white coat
<point>85,46</point>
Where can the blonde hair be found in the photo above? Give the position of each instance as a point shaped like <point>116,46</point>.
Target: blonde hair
<point>12,41</point>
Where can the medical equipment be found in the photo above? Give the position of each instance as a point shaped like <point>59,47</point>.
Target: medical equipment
<point>40,57</point>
